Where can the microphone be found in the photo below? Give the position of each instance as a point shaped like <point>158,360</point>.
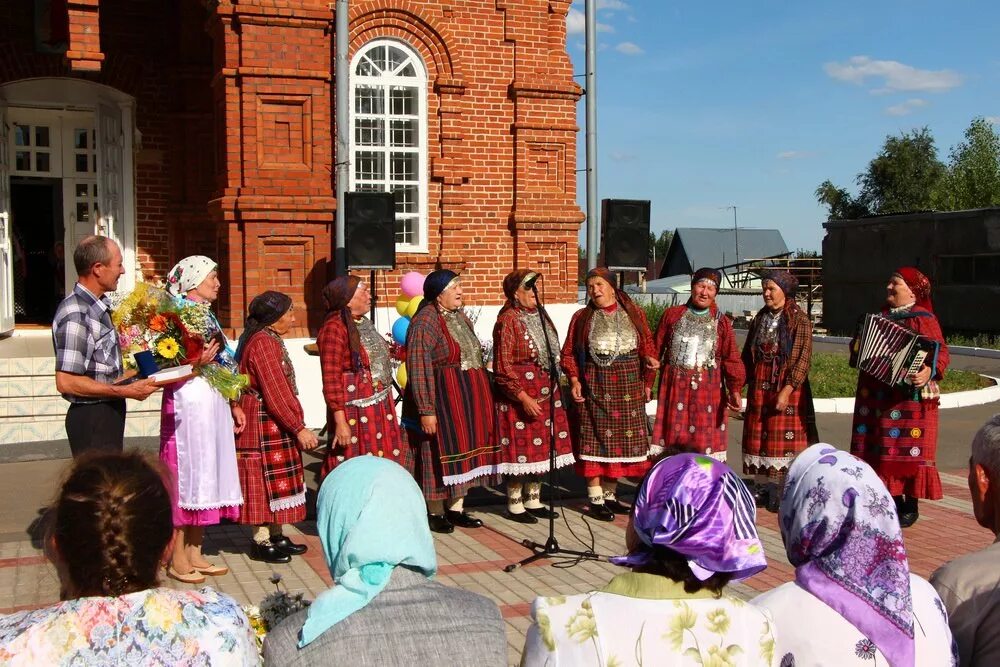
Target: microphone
<point>529,282</point>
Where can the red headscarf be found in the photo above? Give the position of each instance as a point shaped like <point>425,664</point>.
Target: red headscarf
<point>918,284</point>
<point>632,310</point>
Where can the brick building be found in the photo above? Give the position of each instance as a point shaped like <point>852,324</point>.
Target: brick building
<point>207,126</point>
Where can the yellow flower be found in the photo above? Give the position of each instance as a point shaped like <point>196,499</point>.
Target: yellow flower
<point>545,631</point>
<point>167,348</point>
<point>718,621</point>
<point>683,619</point>
<point>581,625</point>
<point>162,612</point>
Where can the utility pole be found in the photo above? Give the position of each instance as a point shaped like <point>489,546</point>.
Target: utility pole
<point>341,95</point>
<point>590,81</point>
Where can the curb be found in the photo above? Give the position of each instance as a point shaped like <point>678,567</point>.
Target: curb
<point>845,406</point>
<point>957,350</point>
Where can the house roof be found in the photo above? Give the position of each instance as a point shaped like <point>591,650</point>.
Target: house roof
<point>694,247</point>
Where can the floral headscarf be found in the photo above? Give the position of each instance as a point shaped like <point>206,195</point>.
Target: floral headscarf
<point>842,535</point>
<point>696,506</point>
<point>919,284</point>
<point>188,273</point>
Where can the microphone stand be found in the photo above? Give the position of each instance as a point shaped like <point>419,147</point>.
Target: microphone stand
<point>551,546</point>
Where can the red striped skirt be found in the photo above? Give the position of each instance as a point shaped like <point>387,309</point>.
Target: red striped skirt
<point>771,439</point>
<point>466,439</point>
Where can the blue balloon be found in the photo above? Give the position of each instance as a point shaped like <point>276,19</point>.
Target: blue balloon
<point>399,329</point>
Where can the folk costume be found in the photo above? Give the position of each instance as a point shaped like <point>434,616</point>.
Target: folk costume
<point>700,370</point>
<point>267,452</point>
<point>895,428</point>
<point>776,354</point>
<point>447,379</point>
<point>521,364</point>
<point>606,351</point>
<point>357,382</point>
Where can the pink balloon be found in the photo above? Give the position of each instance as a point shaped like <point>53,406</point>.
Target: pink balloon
<point>412,284</point>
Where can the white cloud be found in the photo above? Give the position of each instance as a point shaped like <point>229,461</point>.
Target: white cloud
<point>794,155</point>
<point>620,156</point>
<point>576,23</point>
<point>612,5</point>
<point>906,108</point>
<point>629,49</point>
<point>895,76</point>
<point>995,120</point>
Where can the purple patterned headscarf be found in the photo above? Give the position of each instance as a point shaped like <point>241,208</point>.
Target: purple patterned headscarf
<point>842,535</point>
<point>695,506</point>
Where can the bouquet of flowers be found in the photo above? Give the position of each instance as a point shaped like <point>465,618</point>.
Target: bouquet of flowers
<point>273,609</point>
<point>175,332</point>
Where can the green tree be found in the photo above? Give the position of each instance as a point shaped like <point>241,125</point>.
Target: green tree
<point>839,202</point>
<point>973,177</point>
<point>658,245</point>
<point>905,176</point>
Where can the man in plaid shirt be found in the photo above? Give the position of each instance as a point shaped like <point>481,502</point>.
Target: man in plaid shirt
<point>88,359</point>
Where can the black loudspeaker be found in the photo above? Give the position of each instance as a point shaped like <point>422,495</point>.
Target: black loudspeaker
<point>625,225</point>
<point>370,230</point>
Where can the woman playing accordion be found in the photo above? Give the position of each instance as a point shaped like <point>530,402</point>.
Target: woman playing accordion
<point>895,427</point>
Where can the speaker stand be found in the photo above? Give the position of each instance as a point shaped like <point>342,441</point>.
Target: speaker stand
<point>374,293</point>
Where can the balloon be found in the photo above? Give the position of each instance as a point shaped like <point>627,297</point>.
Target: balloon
<point>399,328</point>
<point>412,284</point>
<point>401,375</point>
<point>411,308</point>
<point>402,303</point>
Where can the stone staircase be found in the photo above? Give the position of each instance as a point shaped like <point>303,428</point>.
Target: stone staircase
<point>32,411</point>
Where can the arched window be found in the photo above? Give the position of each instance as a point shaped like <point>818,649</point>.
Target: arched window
<point>388,144</point>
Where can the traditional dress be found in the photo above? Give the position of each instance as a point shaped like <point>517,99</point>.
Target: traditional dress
<point>270,462</point>
<point>520,363</point>
<point>196,428</point>
<point>895,428</point>
<point>854,600</point>
<point>776,354</point>
<point>447,379</point>
<point>606,351</point>
<point>360,385</point>
<point>700,368</point>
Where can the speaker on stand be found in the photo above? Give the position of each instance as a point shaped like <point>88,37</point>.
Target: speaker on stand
<point>625,234</point>
<point>370,230</point>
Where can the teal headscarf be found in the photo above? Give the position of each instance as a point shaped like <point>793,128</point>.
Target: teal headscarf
<point>371,517</point>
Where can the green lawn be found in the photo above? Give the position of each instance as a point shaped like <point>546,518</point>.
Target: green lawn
<point>831,377</point>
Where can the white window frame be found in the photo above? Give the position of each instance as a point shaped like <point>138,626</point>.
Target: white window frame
<point>387,80</point>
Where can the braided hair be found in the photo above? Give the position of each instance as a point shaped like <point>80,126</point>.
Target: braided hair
<point>111,524</point>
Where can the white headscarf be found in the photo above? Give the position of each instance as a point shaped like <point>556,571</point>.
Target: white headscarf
<point>188,273</point>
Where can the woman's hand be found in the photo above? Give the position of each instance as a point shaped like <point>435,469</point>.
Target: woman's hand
<point>921,377</point>
<point>342,434</point>
<point>429,424</point>
<point>530,405</point>
<point>208,354</point>
<point>576,390</point>
<point>782,401</point>
<point>735,401</point>
<point>652,363</point>
<point>239,418</point>
<point>307,439</point>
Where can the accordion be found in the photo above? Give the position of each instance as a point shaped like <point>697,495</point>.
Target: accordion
<point>888,351</point>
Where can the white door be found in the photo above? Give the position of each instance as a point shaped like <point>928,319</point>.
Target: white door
<point>79,183</point>
<point>6,258</point>
<point>111,181</point>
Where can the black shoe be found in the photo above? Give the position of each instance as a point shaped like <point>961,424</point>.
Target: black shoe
<point>287,546</point>
<point>760,494</point>
<point>543,512</point>
<point>462,520</point>
<point>773,498</point>
<point>908,513</point>
<point>439,524</point>
<point>601,512</point>
<point>521,517</point>
<point>617,507</point>
<point>268,553</point>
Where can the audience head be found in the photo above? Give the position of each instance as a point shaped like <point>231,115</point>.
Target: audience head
<point>111,525</point>
<point>371,518</point>
<point>98,261</point>
<point>984,474</point>
<point>842,535</point>
<point>693,521</point>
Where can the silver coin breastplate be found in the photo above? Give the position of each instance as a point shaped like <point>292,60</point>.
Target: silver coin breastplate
<point>693,343</point>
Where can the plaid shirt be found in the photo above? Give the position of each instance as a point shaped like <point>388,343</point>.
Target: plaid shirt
<point>85,340</point>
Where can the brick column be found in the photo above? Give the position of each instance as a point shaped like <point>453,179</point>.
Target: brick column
<point>84,52</point>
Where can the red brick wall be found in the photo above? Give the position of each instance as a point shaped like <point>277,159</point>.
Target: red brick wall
<point>235,107</point>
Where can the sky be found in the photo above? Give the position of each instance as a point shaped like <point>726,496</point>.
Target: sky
<point>707,105</point>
